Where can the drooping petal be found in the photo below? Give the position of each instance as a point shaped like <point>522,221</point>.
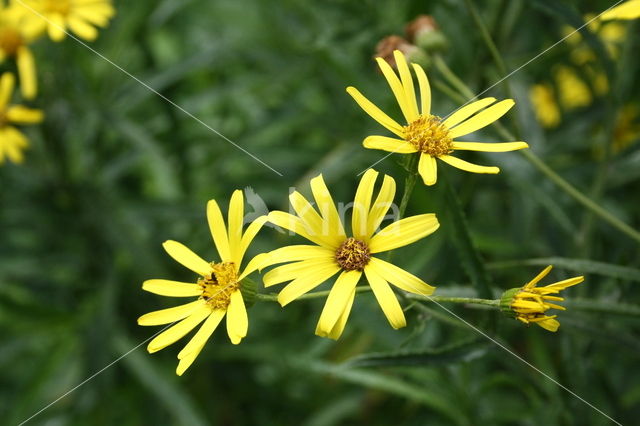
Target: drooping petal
<point>57,27</point>
<point>362,204</point>
<point>203,334</point>
<point>400,278</point>
<point>489,147</point>
<point>187,360</point>
<point>404,232</point>
<point>27,69</point>
<point>425,89</point>
<point>375,112</point>
<point>218,231</point>
<point>171,288</point>
<point>381,205</point>
<point>178,331</point>
<point>337,301</point>
<point>386,299</point>
<point>396,88</point>
<point>295,270</point>
<point>469,167</point>
<point>338,328</point>
<point>237,319</point>
<point>384,143</point>
<point>306,283</point>
<point>328,209</point>
<point>183,255</point>
<point>169,315</point>
<point>7,83</point>
<point>482,119</point>
<point>427,168</point>
<point>407,85</point>
<point>467,111</point>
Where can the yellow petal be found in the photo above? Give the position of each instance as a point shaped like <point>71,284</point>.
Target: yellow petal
<point>386,299</point>
<point>295,270</point>
<point>314,224</point>
<point>328,210</point>
<point>538,277</point>
<point>396,88</point>
<point>467,111</point>
<point>235,219</point>
<point>187,360</point>
<point>425,89</point>
<point>407,84</point>
<point>337,329</point>
<point>218,230</point>
<point>183,255</point>
<point>337,301</point>
<point>549,324</point>
<point>561,285</point>
<point>166,316</point>
<point>489,147</point>
<point>178,331</point>
<point>381,205</point>
<point>57,27</point>
<point>627,10</point>
<point>469,167</point>
<point>295,224</point>
<point>428,169</point>
<point>27,70</point>
<point>171,288</point>
<point>81,28</point>
<point>384,143</point>
<point>237,319</point>
<point>298,252</point>
<point>13,134</point>
<point>23,115</point>
<point>482,119</point>
<point>7,83</point>
<point>362,204</point>
<point>258,262</point>
<point>249,235</point>
<point>375,112</point>
<point>203,334</point>
<point>400,278</point>
<point>404,232</point>
<point>304,284</point>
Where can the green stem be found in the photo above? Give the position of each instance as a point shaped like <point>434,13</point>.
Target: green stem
<point>409,184</point>
<point>451,77</point>
<point>361,289</point>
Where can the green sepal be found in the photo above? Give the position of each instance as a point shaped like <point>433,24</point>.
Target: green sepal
<point>249,290</point>
<point>506,300</point>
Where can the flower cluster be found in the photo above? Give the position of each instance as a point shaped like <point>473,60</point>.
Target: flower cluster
<point>23,22</point>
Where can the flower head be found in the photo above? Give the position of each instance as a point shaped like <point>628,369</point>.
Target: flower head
<point>12,141</point>
<point>15,38</point>
<point>218,288</point>
<point>427,134</point>
<point>350,256</point>
<point>529,304</point>
<point>59,16</point>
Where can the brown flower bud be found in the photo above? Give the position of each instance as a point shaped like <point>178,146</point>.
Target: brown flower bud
<point>422,23</point>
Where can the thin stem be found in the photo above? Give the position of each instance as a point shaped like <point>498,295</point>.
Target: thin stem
<point>451,77</point>
<point>409,184</point>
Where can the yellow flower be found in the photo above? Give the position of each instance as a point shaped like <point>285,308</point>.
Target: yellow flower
<point>627,10</point>
<point>12,141</point>
<point>426,133</point>
<point>573,92</point>
<point>15,38</point>
<point>529,304</point>
<point>545,105</point>
<point>59,16</point>
<point>218,290</point>
<point>334,251</point>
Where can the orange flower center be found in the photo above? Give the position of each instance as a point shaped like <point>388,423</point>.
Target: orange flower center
<point>353,255</point>
<point>429,135</point>
<point>218,286</point>
<point>10,40</point>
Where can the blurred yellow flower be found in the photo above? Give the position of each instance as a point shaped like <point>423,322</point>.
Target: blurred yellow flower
<point>529,304</point>
<point>572,90</point>
<point>15,38</point>
<point>334,252</point>
<point>427,134</point>
<point>627,10</point>
<point>12,141</point>
<point>544,105</point>
<point>218,289</point>
<point>59,16</point>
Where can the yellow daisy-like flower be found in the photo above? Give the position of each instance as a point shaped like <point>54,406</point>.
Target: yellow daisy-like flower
<point>627,10</point>
<point>15,38</point>
<point>334,252</point>
<point>428,134</point>
<point>12,141</point>
<point>218,290</point>
<point>529,304</point>
<point>59,16</point>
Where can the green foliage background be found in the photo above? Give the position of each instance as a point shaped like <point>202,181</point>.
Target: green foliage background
<point>115,170</point>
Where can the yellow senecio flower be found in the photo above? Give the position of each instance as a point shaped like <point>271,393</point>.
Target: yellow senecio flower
<point>15,38</point>
<point>428,134</point>
<point>334,251</point>
<point>12,141</point>
<point>529,304</point>
<point>627,10</point>
<point>58,16</point>
<point>544,105</point>
<point>218,289</point>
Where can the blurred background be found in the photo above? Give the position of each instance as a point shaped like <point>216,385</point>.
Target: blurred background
<point>114,171</point>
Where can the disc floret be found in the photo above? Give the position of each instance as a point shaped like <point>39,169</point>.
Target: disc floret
<point>429,135</point>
